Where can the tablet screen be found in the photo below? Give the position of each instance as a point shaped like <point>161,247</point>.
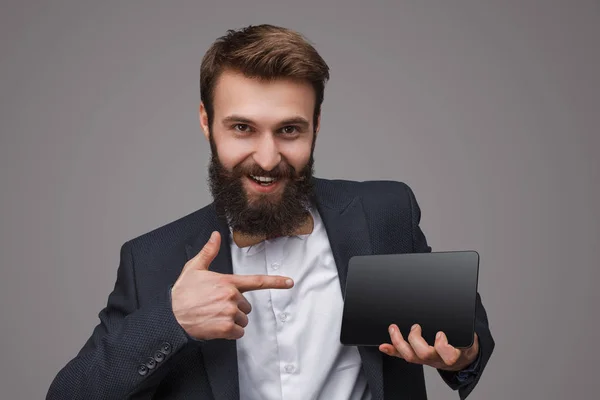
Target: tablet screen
<point>436,290</point>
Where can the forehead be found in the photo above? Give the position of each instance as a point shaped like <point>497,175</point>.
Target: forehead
<point>262,100</point>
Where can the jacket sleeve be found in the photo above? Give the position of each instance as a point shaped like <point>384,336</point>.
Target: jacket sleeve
<point>463,381</point>
<point>130,350</point>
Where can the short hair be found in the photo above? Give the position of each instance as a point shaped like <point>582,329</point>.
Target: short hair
<point>265,52</point>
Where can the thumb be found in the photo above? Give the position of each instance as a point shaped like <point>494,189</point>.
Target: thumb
<point>208,253</point>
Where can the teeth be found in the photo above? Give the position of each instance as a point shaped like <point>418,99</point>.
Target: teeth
<point>263,178</point>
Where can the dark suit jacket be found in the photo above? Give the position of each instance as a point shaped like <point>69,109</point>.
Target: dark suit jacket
<point>139,351</point>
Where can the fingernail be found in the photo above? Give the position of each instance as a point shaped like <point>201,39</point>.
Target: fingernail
<point>413,327</point>
<point>213,237</point>
<point>391,329</point>
<point>439,335</point>
<point>289,282</point>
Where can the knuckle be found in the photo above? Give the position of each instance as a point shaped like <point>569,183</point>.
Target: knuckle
<point>259,283</point>
<point>226,292</point>
<point>204,253</point>
<point>238,334</point>
<point>230,292</point>
<point>223,280</point>
<point>418,351</point>
<point>226,328</point>
<point>427,356</point>
<point>409,357</point>
<point>230,309</point>
<point>416,355</point>
<point>453,359</point>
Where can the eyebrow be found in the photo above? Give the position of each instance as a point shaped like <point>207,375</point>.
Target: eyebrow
<point>289,121</point>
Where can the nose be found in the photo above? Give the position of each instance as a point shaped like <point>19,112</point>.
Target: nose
<point>267,154</point>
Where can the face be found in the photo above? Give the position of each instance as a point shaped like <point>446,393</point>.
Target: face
<point>262,140</point>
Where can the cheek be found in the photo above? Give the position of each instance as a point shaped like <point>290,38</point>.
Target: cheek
<point>297,153</point>
<point>233,152</point>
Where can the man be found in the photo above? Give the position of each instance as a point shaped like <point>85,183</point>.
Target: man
<point>243,298</point>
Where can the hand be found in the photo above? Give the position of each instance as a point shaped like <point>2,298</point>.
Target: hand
<point>209,305</point>
<point>441,355</point>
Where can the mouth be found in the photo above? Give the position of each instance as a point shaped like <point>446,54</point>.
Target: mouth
<point>263,180</point>
<point>264,184</point>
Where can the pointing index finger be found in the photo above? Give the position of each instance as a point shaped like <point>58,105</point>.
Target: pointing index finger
<point>245,283</point>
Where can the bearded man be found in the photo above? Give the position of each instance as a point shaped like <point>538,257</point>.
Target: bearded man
<point>243,298</point>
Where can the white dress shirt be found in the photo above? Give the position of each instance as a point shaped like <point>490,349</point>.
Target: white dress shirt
<point>291,347</point>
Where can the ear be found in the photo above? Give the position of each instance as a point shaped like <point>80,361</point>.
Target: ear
<point>318,127</point>
<point>203,116</point>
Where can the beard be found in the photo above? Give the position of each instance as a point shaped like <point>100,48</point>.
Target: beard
<point>269,215</point>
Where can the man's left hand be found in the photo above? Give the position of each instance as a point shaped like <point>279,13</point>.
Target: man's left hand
<point>441,355</point>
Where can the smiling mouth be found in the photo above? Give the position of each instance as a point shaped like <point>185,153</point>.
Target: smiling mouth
<point>263,180</point>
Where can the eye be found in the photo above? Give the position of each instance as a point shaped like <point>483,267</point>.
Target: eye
<point>290,130</point>
<point>242,127</point>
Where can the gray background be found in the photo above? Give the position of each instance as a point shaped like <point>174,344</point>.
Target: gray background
<point>488,110</point>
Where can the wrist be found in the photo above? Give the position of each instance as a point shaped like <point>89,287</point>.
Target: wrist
<point>471,356</point>
<point>189,337</point>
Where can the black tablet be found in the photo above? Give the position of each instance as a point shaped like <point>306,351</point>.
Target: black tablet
<point>436,290</point>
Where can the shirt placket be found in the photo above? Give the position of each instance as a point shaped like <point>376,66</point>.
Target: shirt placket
<point>283,310</point>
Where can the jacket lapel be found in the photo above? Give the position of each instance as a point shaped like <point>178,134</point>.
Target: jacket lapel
<point>348,232</point>
<point>220,355</point>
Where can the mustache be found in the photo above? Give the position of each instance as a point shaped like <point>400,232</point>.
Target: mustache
<point>281,171</point>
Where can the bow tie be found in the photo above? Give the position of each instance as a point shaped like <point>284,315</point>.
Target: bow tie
<point>243,240</point>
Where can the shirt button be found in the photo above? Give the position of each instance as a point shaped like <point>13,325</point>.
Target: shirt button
<point>275,266</point>
<point>289,368</point>
<point>284,317</point>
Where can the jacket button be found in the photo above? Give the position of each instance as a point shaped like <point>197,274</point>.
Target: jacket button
<point>150,363</point>
<point>142,370</point>
<point>158,356</point>
<point>165,348</point>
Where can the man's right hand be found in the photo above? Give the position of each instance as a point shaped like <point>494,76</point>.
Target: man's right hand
<point>209,305</point>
